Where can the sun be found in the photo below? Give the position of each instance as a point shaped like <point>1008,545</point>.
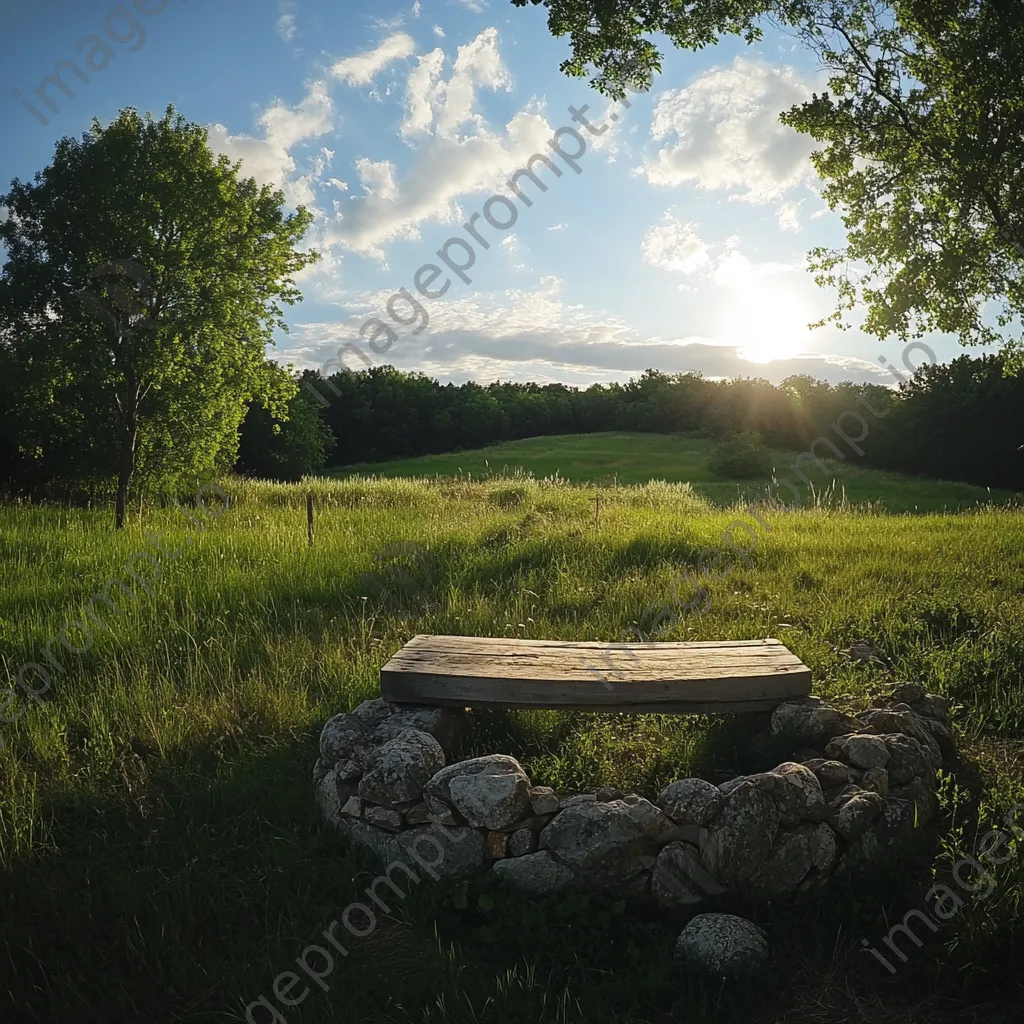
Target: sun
<point>766,323</point>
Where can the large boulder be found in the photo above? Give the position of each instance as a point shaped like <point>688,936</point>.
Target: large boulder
<point>723,945</point>
<point>810,721</point>
<point>690,801</point>
<point>607,842</point>
<point>397,771</point>
<point>491,800</point>
<point>741,836</point>
<point>537,872</point>
<point>489,792</point>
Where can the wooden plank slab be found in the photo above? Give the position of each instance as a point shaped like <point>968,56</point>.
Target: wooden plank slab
<point>698,677</point>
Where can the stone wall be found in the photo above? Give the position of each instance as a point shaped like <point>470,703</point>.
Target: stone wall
<point>857,790</point>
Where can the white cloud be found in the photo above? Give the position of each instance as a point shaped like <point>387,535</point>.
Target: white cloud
<point>416,8</point>
<point>286,22</point>
<point>533,333</point>
<point>510,242</point>
<point>419,93</point>
<point>727,133</point>
<point>788,216</point>
<point>361,69</point>
<point>439,32</point>
<point>675,245</point>
<point>269,159</point>
<point>378,178</point>
<point>478,64</point>
<point>558,227</point>
<point>476,6</point>
<point>444,169</point>
<point>458,153</point>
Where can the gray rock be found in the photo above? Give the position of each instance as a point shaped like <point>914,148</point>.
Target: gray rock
<point>680,877</point>
<point>690,801</point>
<point>785,867</point>
<point>920,796</point>
<point>803,795</point>
<point>489,792</point>
<point>543,800</point>
<point>345,744</point>
<point>907,693</point>
<point>875,779</point>
<point>608,793</point>
<point>723,945</point>
<point>882,842</point>
<point>429,850</point>
<point>444,724</point>
<point>934,705</point>
<point>320,769</point>
<point>606,842</point>
<point>371,713</point>
<point>860,749</point>
<point>398,770</point>
<point>822,846</point>
<point>942,733</point>
<point>811,722</point>
<point>576,798</point>
<point>538,873</point>
<point>907,760</point>
<point>353,807</point>
<point>521,842</point>
<point>329,801</point>
<point>852,810</point>
<point>418,814</point>
<point>742,834</point>
<point>383,817</point>
<point>885,722</point>
<point>828,773</point>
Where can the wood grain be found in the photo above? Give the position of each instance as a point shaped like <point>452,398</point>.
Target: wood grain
<point>698,677</point>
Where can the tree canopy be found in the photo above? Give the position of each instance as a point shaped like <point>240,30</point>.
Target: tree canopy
<point>922,142</point>
<point>144,279</point>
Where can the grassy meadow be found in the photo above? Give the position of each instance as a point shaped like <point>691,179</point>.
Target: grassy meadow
<point>160,857</point>
<point>633,458</point>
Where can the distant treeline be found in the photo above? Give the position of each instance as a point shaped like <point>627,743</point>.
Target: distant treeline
<point>958,421</point>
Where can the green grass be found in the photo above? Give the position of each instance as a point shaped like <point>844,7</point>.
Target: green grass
<point>160,858</point>
<point>626,458</point>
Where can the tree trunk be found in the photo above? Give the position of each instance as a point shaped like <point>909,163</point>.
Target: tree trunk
<point>124,476</point>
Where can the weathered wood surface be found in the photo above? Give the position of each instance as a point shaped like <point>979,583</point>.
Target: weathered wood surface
<point>701,677</point>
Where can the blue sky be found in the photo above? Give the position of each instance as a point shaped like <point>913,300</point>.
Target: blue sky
<point>679,245</point>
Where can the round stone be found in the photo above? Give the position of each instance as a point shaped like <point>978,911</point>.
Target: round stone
<point>723,945</point>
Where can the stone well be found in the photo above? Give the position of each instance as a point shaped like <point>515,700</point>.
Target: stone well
<point>858,789</point>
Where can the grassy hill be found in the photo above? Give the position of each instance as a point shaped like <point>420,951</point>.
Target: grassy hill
<point>630,458</point>
<point>160,857</point>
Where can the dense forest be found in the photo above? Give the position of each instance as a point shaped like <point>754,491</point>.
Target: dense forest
<point>958,421</point>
